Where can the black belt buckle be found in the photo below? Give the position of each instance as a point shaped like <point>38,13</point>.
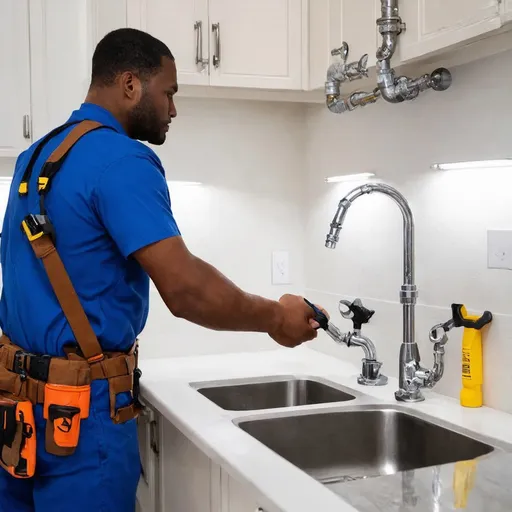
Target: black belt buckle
<point>40,367</point>
<point>19,366</point>
<point>137,374</point>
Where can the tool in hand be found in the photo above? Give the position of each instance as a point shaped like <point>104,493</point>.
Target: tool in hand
<point>324,323</point>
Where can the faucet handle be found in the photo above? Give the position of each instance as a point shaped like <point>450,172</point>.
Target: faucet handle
<point>342,51</point>
<point>355,312</point>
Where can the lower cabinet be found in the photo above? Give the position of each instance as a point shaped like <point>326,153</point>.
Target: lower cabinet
<point>179,477</point>
<point>235,497</point>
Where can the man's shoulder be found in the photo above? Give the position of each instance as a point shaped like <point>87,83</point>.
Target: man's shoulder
<point>111,147</point>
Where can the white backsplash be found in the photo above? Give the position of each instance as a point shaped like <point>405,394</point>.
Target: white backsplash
<point>453,211</point>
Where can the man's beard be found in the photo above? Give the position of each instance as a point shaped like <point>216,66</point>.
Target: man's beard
<point>144,123</point>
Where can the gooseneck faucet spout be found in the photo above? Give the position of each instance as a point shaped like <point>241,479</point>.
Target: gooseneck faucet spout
<point>412,376</point>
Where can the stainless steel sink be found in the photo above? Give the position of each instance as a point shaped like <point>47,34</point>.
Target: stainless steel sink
<point>370,441</point>
<point>279,392</point>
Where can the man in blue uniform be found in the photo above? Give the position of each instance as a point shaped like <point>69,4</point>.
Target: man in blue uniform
<point>110,207</point>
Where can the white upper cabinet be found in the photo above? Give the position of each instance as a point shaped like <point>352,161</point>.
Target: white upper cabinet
<point>256,43</point>
<point>434,25</point>
<point>358,27</point>
<point>184,27</point>
<point>107,16</point>
<point>332,22</point>
<point>15,125</point>
<point>60,61</point>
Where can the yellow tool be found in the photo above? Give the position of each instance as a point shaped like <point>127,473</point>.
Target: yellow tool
<point>472,357</point>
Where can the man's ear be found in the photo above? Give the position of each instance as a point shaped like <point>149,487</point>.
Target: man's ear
<point>131,85</point>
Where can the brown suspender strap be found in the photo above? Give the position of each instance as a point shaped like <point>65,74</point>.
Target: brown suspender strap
<point>45,250</point>
<point>72,138</point>
<point>68,299</point>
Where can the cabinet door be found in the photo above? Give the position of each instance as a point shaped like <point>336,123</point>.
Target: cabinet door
<point>107,16</point>
<point>332,22</point>
<point>60,73</point>
<point>236,497</point>
<point>15,82</point>
<point>507,10</point>
<point>257,43</point>
<point>436,24</point>
<point>358,27</point>
<point>148,489</point>
<point>186,476</point>
<point>183,26</point>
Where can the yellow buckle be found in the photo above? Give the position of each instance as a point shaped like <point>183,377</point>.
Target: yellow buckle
<point>23,188</point>
<point>29,234</point>
<point>42,182</point>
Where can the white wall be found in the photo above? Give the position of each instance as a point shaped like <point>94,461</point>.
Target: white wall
<point>453,212</point>
<point>6,169</point>
<point>249,157</point>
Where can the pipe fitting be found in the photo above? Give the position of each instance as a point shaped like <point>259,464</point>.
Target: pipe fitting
<point>389,87</point>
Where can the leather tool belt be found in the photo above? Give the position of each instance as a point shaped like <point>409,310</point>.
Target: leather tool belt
<point>61,384</point>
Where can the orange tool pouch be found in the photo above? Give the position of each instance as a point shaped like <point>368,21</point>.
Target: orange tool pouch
<point>17,437</point>
<point>61,384</point>
<point>64,408</point>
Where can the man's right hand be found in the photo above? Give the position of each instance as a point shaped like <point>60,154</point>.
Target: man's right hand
<point>296,324</point>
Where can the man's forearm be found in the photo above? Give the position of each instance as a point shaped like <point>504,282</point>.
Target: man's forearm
<point>211,300</point>
<point>194,290</point>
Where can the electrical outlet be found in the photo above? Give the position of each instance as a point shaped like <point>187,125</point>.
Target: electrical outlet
<point>499,249</point>
<point>280,267</point>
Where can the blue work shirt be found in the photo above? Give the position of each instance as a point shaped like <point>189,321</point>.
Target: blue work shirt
<point>109,199</point>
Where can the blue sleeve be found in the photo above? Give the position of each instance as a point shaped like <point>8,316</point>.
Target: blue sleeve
<point>132,200</point>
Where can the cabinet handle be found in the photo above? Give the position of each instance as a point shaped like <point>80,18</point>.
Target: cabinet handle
<point>198,27</point>
<point>26,126</point>
<point>153,437</point>
<point>216,55</point>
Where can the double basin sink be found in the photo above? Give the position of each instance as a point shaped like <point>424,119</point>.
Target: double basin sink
<point>353,439</point>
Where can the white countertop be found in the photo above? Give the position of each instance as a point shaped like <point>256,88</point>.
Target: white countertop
<point>283,487</point>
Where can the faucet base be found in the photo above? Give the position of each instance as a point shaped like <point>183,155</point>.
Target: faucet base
<point>382,380</point>
<point>410,397</point>
<point>370,374</point>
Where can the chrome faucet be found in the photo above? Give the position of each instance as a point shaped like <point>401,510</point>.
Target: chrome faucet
<point>412,376</point>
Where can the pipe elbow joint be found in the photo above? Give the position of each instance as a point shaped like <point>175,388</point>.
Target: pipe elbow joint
<point>336,105</point>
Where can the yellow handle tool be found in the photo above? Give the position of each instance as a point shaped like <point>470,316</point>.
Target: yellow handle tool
<point>472,357</point>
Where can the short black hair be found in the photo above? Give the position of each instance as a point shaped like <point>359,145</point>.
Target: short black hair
<point>127,49</point>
